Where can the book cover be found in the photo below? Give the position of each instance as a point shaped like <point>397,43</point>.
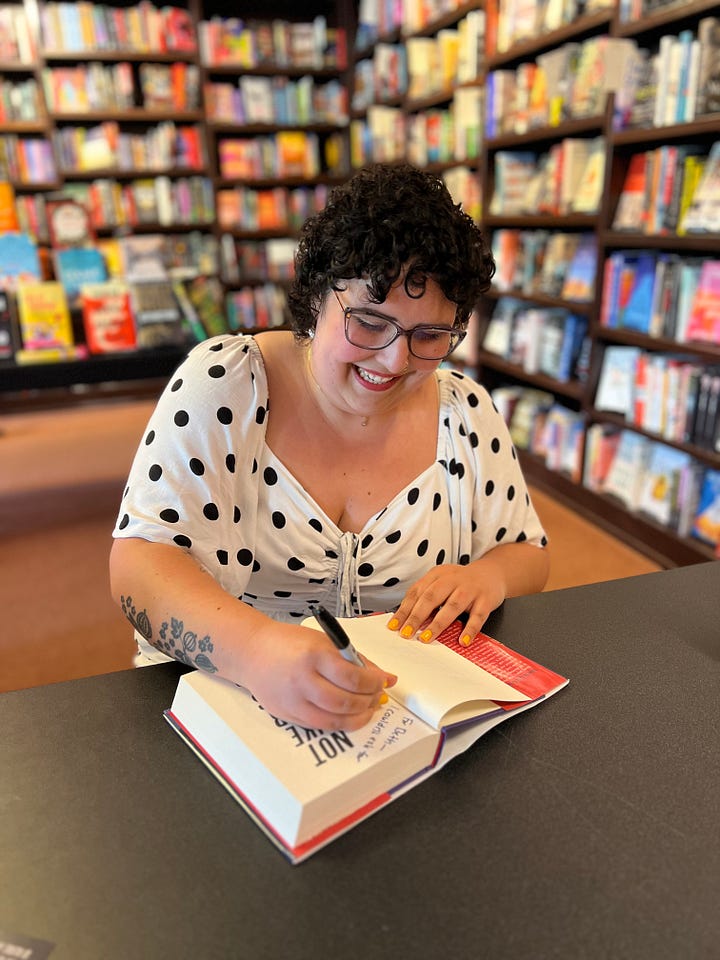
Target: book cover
<point>107,317</point>
<point>306,787</point>
<point>708,86</point>
<point>703,212</point>
<point>631,211</point>
<point>69,222</point>
<point>206,294</point>
<point>75,266</point>
<point>659,491</point>
<point>616,386</point>
<point>706,525</point>
<point>44,316</point>
<point>19,260</point>
<point>626,472</point>
<point>588,194</point>
<point>704,320</point>
<point>579,280</point>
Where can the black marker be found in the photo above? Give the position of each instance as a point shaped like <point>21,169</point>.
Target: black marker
<point>336,633</point>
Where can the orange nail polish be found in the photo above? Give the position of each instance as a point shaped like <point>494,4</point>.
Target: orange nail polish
<point>394,624</point>
<point>426,636</point>
<point>383,698</point>
<point>406,632</point>
<point>465,640</point>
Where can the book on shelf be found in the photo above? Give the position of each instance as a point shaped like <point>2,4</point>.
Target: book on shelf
<point>69,222</point>
<point>561,441</point>
<point>306,787</point>
<point>528,412</point>
<point>514,171</point>
<point>703,322</point>
<point>206,294</point>
<point>601,442</point>
<point>658,497</point>
<point>617,382</point>
<point>579,279</point>
<point>693,167</point>
<point>107,317</point>
<point>627,469</point>
<point>19,259</point>
<point>703,213</point>
<point>708,83</point>
<point>75,266</point>
<point>561,342</point>
<point>8,328</point>
<point>706,525</point>
<point>602,66</point>
<point>630,290</point>
<point>178,30</point>
<point>589,190</point>
<point>44,321</point>
<point>498,335</point>
<point>8,206</point>
<point>559,253</point>
<point>631,210</point>
<point>155,309</point>
<point>703,414</point>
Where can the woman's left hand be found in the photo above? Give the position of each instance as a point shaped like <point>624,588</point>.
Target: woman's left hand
<point>446,592</point>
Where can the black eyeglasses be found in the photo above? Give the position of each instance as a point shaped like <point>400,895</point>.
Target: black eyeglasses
<point>373,331</point>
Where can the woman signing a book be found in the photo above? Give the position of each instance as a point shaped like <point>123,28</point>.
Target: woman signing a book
<point>336,463</point>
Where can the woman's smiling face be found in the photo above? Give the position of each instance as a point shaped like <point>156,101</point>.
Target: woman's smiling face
<point>366,382</point>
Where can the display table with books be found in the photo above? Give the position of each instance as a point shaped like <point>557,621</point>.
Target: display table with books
<point>584,828</point>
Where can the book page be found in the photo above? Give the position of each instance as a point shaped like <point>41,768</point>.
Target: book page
<point>435,682</point>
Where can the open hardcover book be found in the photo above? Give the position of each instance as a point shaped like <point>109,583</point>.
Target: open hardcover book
<point>306,787</point>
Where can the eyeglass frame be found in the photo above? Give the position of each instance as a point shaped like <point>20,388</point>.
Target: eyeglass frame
<point>454,331</point>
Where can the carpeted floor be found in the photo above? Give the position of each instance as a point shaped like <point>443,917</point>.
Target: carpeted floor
<point>61,478</point>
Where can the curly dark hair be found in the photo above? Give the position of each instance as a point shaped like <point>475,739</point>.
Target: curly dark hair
<point>389,220</point>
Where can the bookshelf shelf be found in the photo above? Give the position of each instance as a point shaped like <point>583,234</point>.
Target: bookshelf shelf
<point>572,389</point>
<point>260,129</point>
<point>113,56</point>
<point>268,70</point>
<point>582,27</point>
<point>570,221</point>
<point>700,453</point>
<point>541,300</point>
<point>269,183</point>
<point>12,66</point>
<point>23,126</point>
<point>700,242</point>
<point>675,14</point>
<point>158,363</point>
<point>708,351</point>
<point>135,115</point>
<point>548,134</point>
<point>700,127</point>
<point>638,531</point>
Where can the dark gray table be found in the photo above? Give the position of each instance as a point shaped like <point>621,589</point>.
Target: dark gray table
<point>586,828</point>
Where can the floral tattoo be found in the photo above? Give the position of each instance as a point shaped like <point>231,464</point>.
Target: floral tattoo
<point>173,639</point>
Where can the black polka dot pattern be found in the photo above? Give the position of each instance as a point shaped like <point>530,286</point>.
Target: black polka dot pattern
<point>205,481</point>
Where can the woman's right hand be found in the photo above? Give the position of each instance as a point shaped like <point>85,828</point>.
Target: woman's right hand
<point>297,675</point>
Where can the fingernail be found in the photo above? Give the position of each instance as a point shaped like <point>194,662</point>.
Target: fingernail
<point>406,632</point>
<point>394,624</point>
<point>383,698</point>
<point>465,640</point>
<point>426,636</point>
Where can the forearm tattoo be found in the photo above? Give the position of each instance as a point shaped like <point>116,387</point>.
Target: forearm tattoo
<point>172,639</point>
